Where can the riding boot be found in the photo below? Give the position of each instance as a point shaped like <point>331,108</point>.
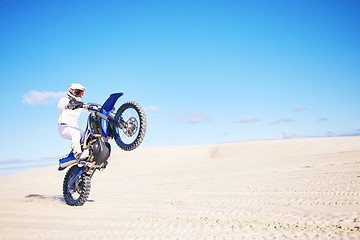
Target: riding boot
<point>78,153</point>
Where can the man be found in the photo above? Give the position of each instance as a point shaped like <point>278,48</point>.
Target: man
<point>68,120</point>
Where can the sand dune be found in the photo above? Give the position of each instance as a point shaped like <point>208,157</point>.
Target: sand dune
<point>304,188</point>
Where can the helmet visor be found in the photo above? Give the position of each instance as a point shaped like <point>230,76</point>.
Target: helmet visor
<point>77,92</point>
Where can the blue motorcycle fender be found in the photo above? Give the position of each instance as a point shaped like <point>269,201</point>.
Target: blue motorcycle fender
<point>110,102</point>
<point>77,174</point>
<point>63,161</point>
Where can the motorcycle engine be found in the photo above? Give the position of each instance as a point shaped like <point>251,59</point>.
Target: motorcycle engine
<point>101,150</point>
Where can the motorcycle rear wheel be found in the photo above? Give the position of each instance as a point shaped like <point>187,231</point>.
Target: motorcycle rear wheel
<point>77,194</point>
<point>133,117</point>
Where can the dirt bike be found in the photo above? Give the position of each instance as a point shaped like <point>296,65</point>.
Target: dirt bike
<point>127,126</point>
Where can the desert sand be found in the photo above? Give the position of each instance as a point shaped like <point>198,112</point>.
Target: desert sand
<point>294,188</point>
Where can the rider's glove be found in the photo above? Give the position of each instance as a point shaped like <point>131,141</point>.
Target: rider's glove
<point>73,104</point>
<point>71,107</point>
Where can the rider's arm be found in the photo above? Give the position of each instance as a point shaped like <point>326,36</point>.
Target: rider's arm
<point>63,103</point>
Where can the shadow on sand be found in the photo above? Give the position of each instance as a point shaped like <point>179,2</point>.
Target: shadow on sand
<point>45,197</point>
<point>48,198</point>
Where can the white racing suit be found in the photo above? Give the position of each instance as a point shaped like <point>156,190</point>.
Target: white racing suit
<point>68,125</point>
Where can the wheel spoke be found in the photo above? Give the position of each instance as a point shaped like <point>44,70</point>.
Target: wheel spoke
<point>134,129</point>
<point>79,192</point>
<point>129,115</point>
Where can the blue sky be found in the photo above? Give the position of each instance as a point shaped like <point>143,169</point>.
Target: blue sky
<point>205,71</point>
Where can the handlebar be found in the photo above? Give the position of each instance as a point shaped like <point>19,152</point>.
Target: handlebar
<point>94,108</point>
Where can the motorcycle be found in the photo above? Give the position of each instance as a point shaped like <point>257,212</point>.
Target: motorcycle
<point>127,127</point>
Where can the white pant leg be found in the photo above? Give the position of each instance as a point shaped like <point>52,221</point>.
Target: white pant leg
<point>72,133</point>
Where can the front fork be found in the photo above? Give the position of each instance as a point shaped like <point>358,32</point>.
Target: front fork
<point>121,124</point>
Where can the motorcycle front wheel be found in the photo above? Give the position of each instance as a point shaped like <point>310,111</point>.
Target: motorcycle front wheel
<point>77,193</point>
<point>133,121</point>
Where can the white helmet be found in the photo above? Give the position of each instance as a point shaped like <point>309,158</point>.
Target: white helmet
<point>76,91</point>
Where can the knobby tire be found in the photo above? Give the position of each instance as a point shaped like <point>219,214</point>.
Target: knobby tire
<point>84,191</point>
<point>142,128</point>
